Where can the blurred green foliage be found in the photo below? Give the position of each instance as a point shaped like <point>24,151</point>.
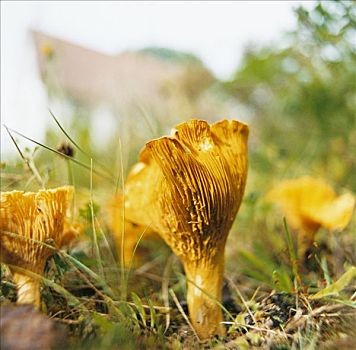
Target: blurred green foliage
<point>171,55</point>
<point>302,96</point>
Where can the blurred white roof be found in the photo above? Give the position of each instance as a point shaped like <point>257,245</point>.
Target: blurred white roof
<point>93,77</point>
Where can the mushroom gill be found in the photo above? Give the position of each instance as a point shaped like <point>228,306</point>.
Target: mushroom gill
<point>28,220</point>
<point>189,187</point>
<point>310,203</point>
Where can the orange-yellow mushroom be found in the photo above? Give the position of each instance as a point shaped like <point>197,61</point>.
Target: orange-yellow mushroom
<point>188,188</point>
<point>308,204</point>
<point>28,220</point>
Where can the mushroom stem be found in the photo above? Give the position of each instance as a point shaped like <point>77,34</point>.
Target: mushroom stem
<point>204,295</point>
<point>305,239</point>
<point>28,290</point>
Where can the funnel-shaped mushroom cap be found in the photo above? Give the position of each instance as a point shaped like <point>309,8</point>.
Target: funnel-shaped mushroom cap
<point>31,217</point>
<point>37,216</point>
<point>189,187</point>
<point>310,203</point>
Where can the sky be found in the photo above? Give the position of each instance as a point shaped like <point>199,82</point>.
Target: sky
<point>216,31</point>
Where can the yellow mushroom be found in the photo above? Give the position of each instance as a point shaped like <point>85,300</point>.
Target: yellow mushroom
<point>27,220</point>
<point>308,204</point>
<point>132,232</point>
<point>189,187</point>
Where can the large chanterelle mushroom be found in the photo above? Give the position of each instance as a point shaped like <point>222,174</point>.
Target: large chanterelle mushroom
<point>28,220</point>
<point>188,188</point>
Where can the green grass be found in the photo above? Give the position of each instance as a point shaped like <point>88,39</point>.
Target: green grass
<point>272,300</point>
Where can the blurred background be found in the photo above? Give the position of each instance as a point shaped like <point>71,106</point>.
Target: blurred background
<point>134,70</point>
<point>117,74</point>
<point>114,59</point>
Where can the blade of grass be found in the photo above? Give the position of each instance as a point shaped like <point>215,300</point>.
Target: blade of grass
<point>95,237</point>
<point>101,282</point>
<point>110,302</point>
<point>153,314</point>
<point>138,304</point>
<point>76,144</point>
<point>134,251</point>
<point>122,253</point>
<point>165,288</point>
<point>29,164</point>
<point>102,233</point>
<point>324,266</point>
<point>336,287</point>
<point>85,166</point>
<point>111,255</point>
<point>293,256</point>
<point>66,134</point>
<point>242,299</point>
<point>213,299</point>
<point>179,306</point>
<point>161,309</point>
<point>72,183</point>
<point>67,258</point>
<point>345,302</point>
<point>59,289</point>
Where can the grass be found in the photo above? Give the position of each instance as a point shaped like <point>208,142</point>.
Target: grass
<point>271,300</point>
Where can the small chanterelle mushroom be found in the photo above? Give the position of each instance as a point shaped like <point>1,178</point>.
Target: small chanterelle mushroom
<point>310,203</point>
<point>132,233</point>
<point>188,187</point>
<point>28,220</point>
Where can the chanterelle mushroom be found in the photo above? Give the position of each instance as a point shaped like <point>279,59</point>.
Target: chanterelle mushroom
<point>309,204</point>
<point>189,187</point>
<point>27,220</point>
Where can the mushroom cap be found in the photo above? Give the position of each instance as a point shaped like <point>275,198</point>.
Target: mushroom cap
<point>189,186</point>
<point>41,216</point>
<point>309,203</point>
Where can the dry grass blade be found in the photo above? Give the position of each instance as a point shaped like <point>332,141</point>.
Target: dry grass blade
<point>242,299</point>
<point>330,311</point>
<point>179,306</point>
<point>259,329</point>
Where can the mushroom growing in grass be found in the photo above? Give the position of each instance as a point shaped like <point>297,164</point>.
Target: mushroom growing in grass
<point>310,204</point>
<point>188,188</point>
<point>29,223</point>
